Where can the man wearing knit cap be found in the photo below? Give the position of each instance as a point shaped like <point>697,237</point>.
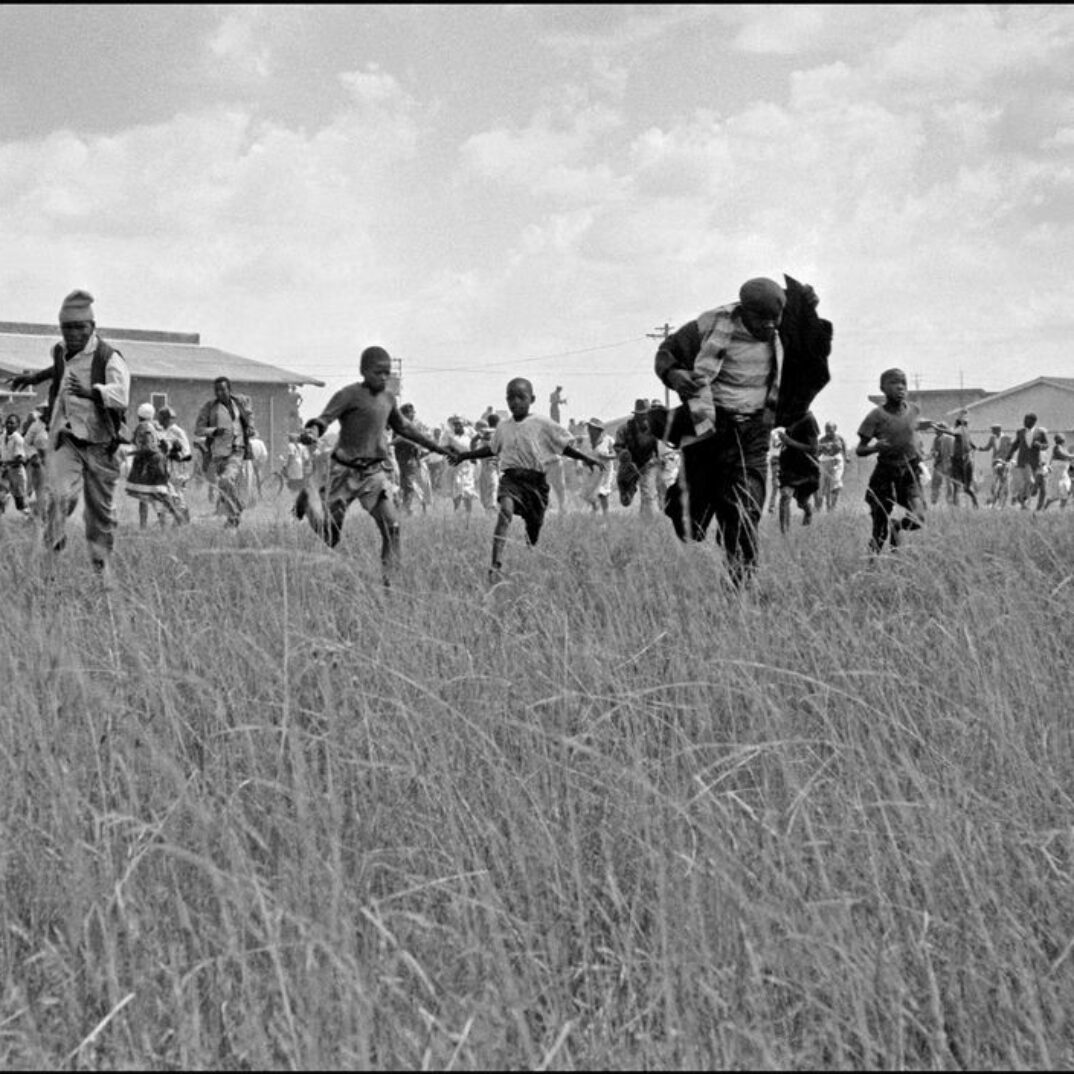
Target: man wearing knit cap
<point>740,370</point>
<point>88,397</point>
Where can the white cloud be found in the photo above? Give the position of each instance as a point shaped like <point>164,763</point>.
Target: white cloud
<point>546,156</point>
<point>1062,138</point>
<point>781,28</point>
<point>372,86</point>
<point>238,43</point>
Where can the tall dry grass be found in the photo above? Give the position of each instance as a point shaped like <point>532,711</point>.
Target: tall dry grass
<point>258,812</point>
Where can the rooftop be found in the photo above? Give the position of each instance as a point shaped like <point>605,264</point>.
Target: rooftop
<point>150,354</point>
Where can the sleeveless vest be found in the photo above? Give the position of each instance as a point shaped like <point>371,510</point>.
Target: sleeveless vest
<point>113,417</point>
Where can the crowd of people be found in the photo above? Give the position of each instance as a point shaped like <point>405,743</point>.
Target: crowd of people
<point>742,436</point>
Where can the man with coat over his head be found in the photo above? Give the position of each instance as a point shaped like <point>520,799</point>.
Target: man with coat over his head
<point>741,370</point>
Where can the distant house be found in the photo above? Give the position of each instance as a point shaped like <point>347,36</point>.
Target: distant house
<point>172,368</point>
<point>1050,398</point>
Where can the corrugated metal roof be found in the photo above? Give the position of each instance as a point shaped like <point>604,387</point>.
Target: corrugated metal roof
<point>156,361</point>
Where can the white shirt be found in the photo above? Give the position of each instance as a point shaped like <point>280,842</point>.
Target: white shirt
<point>530,443</point>
<point>12,447</point>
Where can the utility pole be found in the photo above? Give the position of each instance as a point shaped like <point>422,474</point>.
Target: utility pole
<point>662,332</point>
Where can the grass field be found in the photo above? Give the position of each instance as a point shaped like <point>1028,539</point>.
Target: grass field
<point>259,812</point>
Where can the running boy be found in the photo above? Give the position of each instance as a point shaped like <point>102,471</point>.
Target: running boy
<point>890,433</point>
<point>360,468</point>
<point>799,470</point>
<point>524,443</point>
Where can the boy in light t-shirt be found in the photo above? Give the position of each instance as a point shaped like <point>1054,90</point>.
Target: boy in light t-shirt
<point>523,443</point>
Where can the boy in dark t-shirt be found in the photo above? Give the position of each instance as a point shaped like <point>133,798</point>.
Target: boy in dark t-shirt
<point>890,432</point>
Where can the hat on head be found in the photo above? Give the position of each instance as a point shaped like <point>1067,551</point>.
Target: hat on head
<point>146,412</point>
<point>762,295</point>
<point>641,406</point>
<point>77,306</point>
<point>997,428</point>
<point>595,423</point>
<point>165,412</point>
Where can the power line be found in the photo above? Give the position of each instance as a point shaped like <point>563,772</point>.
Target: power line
<point>509,362</point>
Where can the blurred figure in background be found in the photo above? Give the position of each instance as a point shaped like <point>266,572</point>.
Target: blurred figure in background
<point>832,458</point>
<point>596,486</point>
<point>637,453</point>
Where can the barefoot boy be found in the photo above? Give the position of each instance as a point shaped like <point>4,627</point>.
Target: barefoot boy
<point>360,468</point>
<point>524,443</point>
<point>890,433</point>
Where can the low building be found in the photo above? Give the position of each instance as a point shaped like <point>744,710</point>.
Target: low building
<point>1050,398</point>
<point>167,368</point>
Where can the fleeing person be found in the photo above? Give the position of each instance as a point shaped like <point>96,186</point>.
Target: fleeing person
<point>488,474</point>
<point>456,440</point>
<point>832,458</point>
<point>410,458</point>
<point>998,445</point>
<point>889,432</point>
<point>960,465</point>
<point>597,484</point>
<point>1025,456</point>
<point>360,468</point>
<point>179,459</point>
<point>799,469</point>
<point>35,438</point>
<point>13,467</point>
<point>523,444</point>
<point>637,452</point>
<point>89,393</point>
<point>226,425</point>
<point>1057,477</point>
<point>741,370</point>
<point>147,482</point>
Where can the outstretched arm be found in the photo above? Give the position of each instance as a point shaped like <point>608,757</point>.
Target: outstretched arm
<point>28,380</point>
<point>483,452</point>
<point>571,452</point>
<point>409,431</point>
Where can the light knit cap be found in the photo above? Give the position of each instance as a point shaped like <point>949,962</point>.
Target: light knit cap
<point>77,306</point>
<point>146,412</point>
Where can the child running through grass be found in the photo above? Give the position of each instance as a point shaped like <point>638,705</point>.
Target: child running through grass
<point>524,443</point>
<point>799,468</point>
<point>360,468</point>
<point>890,432</point>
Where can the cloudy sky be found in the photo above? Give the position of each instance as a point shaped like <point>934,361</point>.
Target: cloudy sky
<point>534,190</point>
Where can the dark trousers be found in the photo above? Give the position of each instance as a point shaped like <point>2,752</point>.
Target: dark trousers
<point>723,478</point>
